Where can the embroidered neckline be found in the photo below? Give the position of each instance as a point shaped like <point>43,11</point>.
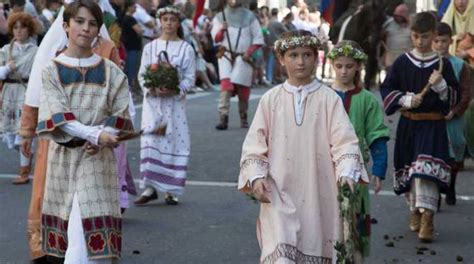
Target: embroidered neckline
<point>422,63</point>
<point>299,97</point>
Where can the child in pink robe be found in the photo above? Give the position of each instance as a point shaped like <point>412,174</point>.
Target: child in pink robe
<point>300,146</point>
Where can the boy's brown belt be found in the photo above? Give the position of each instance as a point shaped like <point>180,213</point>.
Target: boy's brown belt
<point>422,116</point>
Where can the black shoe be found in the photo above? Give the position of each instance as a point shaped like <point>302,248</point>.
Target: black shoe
<point>143,199</point>
<point>224,120</point>
<point>171,199</point>
<point>450,199</point>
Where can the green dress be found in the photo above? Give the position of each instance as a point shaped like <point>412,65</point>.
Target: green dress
<point>367,118</point>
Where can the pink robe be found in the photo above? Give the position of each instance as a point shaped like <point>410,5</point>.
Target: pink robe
<point>302,141</point>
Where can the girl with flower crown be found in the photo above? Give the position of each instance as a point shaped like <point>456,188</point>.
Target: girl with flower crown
<point>164,158</point>
<point>366,116</point>
<point>300,147</point>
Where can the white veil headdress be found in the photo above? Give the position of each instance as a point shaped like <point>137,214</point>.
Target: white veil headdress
<point>55,40</point>
<point>107,7</point>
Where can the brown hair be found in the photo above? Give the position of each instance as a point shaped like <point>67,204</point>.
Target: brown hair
<point>424,22</point>
<point>72,9</point>
<point>26,20</point>
<point>444,29</point>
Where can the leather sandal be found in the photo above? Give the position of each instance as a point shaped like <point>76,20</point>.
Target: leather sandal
<point>143,199</point>
<point>21,180</point>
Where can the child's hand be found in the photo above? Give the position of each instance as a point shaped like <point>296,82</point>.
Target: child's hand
<point>377,184</point>
<point>416,100</point>
<point>165,92</point>
<point>349,181</point>
<point>435,78</point>
<point>260,189</point>
<point>25,146</point>
<point>11,65</point>
<point>449,116</point>
<point>90,148</point>
<point>108,140</point>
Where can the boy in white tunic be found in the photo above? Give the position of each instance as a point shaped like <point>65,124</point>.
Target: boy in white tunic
<point>299,146</point>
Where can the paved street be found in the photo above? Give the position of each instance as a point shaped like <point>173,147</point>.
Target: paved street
<point>214,223</point>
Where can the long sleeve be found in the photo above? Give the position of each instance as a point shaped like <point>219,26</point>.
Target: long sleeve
<point>188,70</point>
<point>390,90</point>
<point>344,143</point>
<point>465,86</point>
<point>379,153</point>
<point>254,161</point>
<point>145,61</point>
<point>454,93</point>
<point>4,71</point>
<point>76,129</point>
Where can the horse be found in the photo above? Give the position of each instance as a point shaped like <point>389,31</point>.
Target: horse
<point>364,25</point>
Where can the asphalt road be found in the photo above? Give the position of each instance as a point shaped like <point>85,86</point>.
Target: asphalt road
<point>214,223</point>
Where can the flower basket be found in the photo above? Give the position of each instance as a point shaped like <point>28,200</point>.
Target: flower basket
<point>161,74</point>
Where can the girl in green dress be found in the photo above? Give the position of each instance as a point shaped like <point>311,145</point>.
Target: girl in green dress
<point>366,116</point>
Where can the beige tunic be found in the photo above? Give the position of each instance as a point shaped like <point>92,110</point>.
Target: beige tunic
<point>302,141</point>
<point>95,95</point>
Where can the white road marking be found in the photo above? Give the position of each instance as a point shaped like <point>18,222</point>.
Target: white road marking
<point>234,184</point>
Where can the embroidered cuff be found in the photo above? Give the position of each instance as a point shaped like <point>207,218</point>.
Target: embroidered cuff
<point>441,89</point>
<point>352,174</point>
<point>119,123</point>
<point>251,180</point>
<point>405,101</point>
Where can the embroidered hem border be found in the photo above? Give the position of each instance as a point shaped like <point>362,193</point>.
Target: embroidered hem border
<point>103,235</point>
<point>290,252</point>
<point>55,121</point>
<point>426,167</point>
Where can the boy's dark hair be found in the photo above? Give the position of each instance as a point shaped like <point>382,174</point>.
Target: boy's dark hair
<point>72,9</point>
<point>48,3</point>
<point>127,4</point>
<point>443,29</point>
<point>274,12</point>
<point>14,3</point>
<point>424,22</point>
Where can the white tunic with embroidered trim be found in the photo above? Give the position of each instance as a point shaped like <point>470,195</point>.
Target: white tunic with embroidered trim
<point>302,141</point>
<point>164,159</point>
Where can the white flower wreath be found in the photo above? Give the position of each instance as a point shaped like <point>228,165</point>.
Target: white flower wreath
<point>168,10</point>
<point>285,44</point>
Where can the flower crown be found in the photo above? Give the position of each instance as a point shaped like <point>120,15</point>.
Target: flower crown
<point>285,44</point>
<point>347,50</point>
<point>168,10</point>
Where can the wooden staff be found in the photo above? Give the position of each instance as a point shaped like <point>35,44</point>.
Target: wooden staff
<point>160,131</point>
<point>227,35</point>
<point>428,85</point>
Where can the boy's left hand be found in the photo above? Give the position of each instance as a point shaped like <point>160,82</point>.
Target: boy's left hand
<point>349,181</point>
<point>91,149</point>
<point>449,116</point>
<point>435,78</point>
